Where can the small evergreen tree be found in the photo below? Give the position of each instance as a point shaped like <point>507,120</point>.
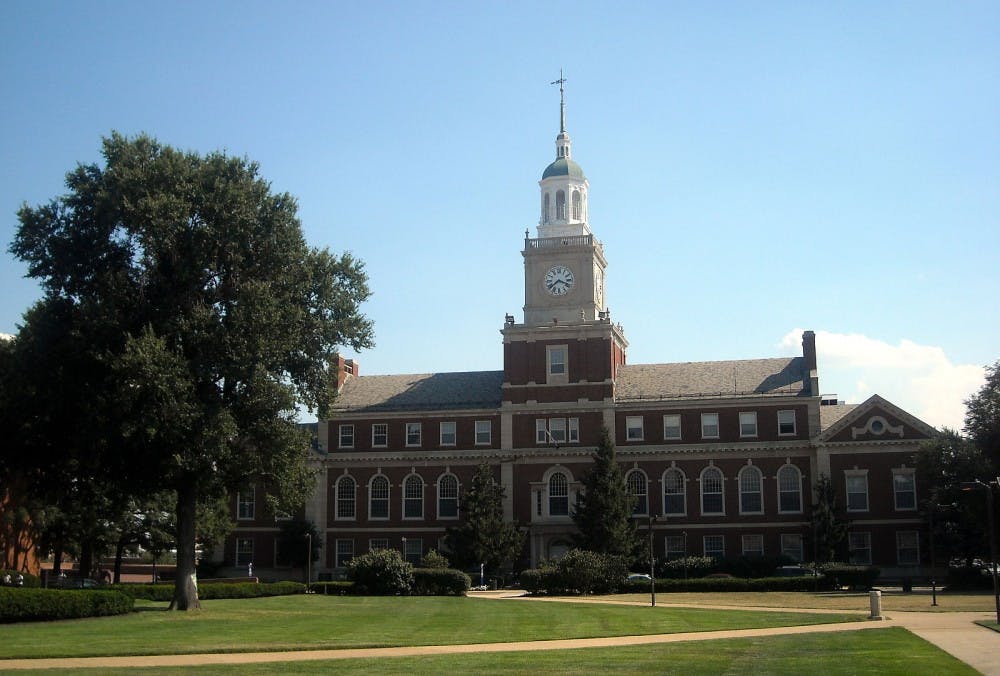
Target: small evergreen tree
<point>829,529</point>
<point>484,537</point>
<point>603,512</point>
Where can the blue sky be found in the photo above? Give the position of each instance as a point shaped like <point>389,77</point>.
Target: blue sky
<point>755,168</point>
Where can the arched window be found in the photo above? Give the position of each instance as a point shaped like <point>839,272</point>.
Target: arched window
<point>577,205</point>
<point>711,491</point>
<point>789,489</point>
<point>346,492</point>
<point>545,208</point>
<point>413,497</point>
<point>558,495</point>
<point>636,482</point>
<point>751,496</point>
<point>447,496</point>
<point>378,491</point>
<point>674,495</point>
<point>560,205</point>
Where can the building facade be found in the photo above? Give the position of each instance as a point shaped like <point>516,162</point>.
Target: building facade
<point>723,454</point>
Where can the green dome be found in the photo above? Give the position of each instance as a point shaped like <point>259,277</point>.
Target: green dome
<point>563,167</point>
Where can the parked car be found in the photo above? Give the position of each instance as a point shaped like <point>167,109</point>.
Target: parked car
<point>794,571</point>
<point>638,577</point>
<point>78,583</point>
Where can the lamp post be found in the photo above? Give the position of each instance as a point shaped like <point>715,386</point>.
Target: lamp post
<point>404,549</point>
<point>652,564</point>
<point>978,485</point>
<point>930,514</point>
<point>309,558</point>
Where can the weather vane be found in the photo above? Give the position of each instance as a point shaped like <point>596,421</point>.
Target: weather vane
<point>562,102</point>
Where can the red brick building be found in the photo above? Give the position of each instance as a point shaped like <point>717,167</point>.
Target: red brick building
<point>723,454</point>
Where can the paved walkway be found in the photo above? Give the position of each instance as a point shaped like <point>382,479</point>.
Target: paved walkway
<point>955,633</point>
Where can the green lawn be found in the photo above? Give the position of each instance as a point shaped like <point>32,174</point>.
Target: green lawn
<point>314,621</point>
<point>876,651</point>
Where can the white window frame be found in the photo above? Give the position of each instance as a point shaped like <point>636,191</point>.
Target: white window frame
<point>914,546</point>
<point>673,547</point>
<point>792,546</point>
<point>241,560</point>
<point>859,548</point>
<point>414,434</point>
<point>341,555</point>
<point>484,432</point>
<point>746,472</point>
<point>376,544</point>
<point>412,501</point>
<point>541,431</point>
<point>748,424</point>
<point>633,428</point>
<point>910,475</point>
<point>345,436</point>
<point>557,431</point>
<point>786,413</point>
<point>572,430</point>
<point>386,499</point>
<point>413,550</point>
<point>669,421</point>
<point>856,474</point>
<point>337,498</point>
<point>551,497</point>
<point>441,497</point>
<point>682,493</point>
<point>380,430</point>
<point>557,363</point>
<point>706,424</point>
<point>448,433</point>
<point>246,504</point>
<point>642,483</point>
<point>752,545</point>
<point>721,550</point>
<point>721,493</point>
<point>782,490</point>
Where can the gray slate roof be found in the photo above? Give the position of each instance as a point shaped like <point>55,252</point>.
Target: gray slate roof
<point>828,415</point>
<point>422,391</point>
<point>711,378</point>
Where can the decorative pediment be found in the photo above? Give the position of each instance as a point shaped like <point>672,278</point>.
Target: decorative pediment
<point>877,420</point>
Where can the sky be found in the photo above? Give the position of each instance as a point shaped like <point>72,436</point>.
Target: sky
<point>756,169</point>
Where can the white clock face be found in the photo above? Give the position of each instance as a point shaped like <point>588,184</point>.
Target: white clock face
<point>559,280</point>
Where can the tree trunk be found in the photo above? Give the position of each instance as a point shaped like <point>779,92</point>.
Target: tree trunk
<point>57,557</point>
<point>86,558</point>
<point>186,580</point>
<point>119,552</point>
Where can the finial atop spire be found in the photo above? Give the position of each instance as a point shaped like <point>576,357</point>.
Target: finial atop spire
<point>562,102</point>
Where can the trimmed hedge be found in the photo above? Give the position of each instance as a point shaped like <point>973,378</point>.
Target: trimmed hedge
<point>40,605</point>
<point>30,580</point>
<point>845,575</point>
<point>439,582</point>
<point>581,572</point>
<point>333,588</point>
<point>969,577</point>
<point>381,573</point>
<point>690,566</point>
<point>733,584</point>
<point>209,591</point>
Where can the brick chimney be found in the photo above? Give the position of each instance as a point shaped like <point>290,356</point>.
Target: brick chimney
<point>345,368</point>
<point>810,371</point>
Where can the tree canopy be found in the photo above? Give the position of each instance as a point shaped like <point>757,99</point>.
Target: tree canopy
<point>187,287</point>
<point>603,511</point>
<point>484,536</point>
<point>982,417</point>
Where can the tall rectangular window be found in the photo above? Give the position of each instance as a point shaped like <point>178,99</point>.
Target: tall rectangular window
<point>672,427</point>
<point>345,552</point>
<point>246,504</point>
<point>244,551</point>
<point>346,436</point>
<point>709,425</point>
<point>375,544</point>
<point>908,547</point>
<point>786,423</point>
<point>484,432</point>
<point>791,546</point>
<point>904,489</point>
<point>557,428</point>
<point>714,546</point>
<point>413,434</point>
<point>448,437</point>
<point>748,424</point>
<point>574,430</point>
<point>541,431</point>
<point>556,358</point>
<point>857,491</point>
<point>859,548</point>
<point>633,428</point>
<point>380,435</point>
<point>673,547</point>
<point>414,550</point>
<point>753,545</point>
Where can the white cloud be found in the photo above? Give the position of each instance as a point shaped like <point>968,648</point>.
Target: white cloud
<point>6,336</point>
<point>918,378</point>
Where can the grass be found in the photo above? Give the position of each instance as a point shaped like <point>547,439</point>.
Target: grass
<point>314,621</point>
<point>875,651</point>
<point>892,600</point>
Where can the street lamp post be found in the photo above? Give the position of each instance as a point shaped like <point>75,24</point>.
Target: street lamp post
<point>685,535</point>
<point>988,487</point>
<point>652,564</point>
<point>309,558</point>
<point>930,514</point>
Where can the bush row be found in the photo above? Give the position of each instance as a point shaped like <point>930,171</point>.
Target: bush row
<point>733,584</point>
<point>439,582</point>
<point>28,580</point>
<point>969,577</point>
<point>845,575</point>
<point>32,605</point>
<point>208,591</point>
<point>333,588</point>
<point>580,571</point>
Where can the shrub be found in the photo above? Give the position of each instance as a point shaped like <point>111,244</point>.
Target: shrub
<point>28,580</point>
<point>531,580</point>
<point>333,588</point>
<point>855,577</point>
<point>751,566</point>
<point>434,560</point>
<point>440,582</point>
<point>33,605</point>
<point>212,590</point>
<point>969,577</point>
<point>381,573</point>
<point>697,566</point>
<point>733,584</point>
<point>580,571</point>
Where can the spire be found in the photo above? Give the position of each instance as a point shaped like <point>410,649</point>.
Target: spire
<point>562,102</point>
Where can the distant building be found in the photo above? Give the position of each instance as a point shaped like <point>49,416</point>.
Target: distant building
<point>724,454</point>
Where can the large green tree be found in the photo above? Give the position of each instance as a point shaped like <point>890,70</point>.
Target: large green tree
<point>603,510</point>
<point>828,525</point>
<point>211,316</point>
<point>982,417</point>
<point>484,536</point>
